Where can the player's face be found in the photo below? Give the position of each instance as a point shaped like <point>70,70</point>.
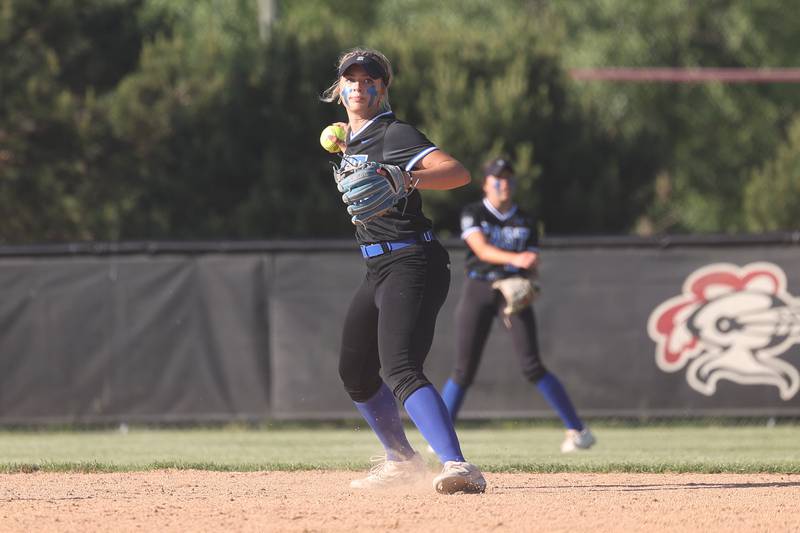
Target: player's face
<point>499,189</point>
<point>359,92</point>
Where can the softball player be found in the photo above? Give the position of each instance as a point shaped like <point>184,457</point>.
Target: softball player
<point>390,322</point>
<point>502,242</point>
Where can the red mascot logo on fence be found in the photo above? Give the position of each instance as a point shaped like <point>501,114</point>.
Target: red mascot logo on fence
<point>730,323</point>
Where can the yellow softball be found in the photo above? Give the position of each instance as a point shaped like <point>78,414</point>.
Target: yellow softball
<point>330,136</point>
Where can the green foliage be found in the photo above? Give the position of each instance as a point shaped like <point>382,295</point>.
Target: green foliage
<point>177,117</point>
<point>772,196</point>
<point>704,138</point>
<point>475,99</point>
<point>173,119</point>
<point>53,135</point>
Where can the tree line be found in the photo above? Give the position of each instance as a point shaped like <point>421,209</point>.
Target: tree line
<point>179,119</point>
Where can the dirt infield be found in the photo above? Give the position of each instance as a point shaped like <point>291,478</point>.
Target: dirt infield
<point>180,500</point>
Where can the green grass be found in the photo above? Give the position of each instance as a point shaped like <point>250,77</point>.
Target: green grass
<point>500,448</point>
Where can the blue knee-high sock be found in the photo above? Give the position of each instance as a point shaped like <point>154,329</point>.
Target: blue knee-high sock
<point>553,391</point>
<point>453,396</point>
<point>430,415</point>
<point>383,417</point>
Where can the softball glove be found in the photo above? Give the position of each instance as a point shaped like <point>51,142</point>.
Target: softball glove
<point>518,292</point>
<point>369,193</point>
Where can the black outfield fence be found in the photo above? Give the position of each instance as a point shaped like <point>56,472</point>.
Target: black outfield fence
<point>223,331</point>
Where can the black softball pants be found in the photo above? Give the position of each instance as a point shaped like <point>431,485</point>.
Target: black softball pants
<point>477,308</point>
<point>391,320</point>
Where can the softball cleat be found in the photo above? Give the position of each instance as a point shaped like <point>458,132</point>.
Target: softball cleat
<point>392,473</point>
<point>577,440</point>
<point>458,476</point>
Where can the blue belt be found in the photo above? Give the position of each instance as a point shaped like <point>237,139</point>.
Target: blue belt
<point>380,248</point>
<point>490,276</point>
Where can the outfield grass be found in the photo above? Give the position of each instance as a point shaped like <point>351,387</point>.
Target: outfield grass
<point>521,448</point>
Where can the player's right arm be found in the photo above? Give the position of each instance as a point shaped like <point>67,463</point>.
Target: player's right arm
<point>488,253</point>
<point>342,143</point>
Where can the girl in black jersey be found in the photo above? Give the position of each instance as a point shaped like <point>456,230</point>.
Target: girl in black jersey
<point>390,323</point>
<point>502,242</point>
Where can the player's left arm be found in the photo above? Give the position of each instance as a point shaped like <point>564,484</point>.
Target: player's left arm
<point>438,170</point>
<point>429,167</point>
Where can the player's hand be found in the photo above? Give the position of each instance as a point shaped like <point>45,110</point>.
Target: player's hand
<point>399,178</point>
<point>525,260</point>
<point>406,177</point>
<point>341,143</point>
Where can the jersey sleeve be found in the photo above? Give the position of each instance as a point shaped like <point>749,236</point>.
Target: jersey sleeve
<point>404,145</point>
<point>470,221</point>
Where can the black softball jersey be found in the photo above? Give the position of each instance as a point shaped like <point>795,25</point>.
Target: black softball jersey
<point>513,231</point>
<point>385,139</point>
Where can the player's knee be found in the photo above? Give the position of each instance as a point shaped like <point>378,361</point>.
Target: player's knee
<point>357,387</point>
<point>535,373</point>
<point>362,392</point>
<point>404,386</point>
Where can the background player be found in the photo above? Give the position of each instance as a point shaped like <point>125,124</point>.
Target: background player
<point>502,242</point>
<point>390,322</point>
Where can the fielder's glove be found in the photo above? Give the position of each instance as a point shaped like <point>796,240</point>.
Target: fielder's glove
<point>518,292</point>
<point>368,193</point>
